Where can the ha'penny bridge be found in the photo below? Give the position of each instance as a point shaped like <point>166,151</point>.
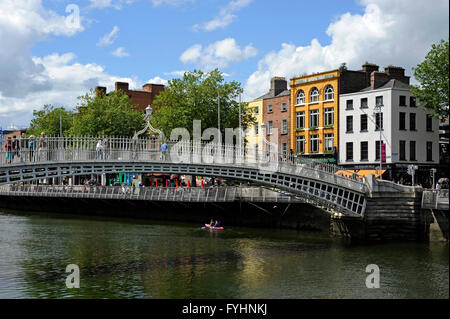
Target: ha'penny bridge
<point>362,206</point>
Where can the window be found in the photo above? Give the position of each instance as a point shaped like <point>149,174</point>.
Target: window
<point>379,101</point>
<point>364,103</point>
<point>429,151</point>
<point>349,105</point>
<point>429,123</point>
<point>284,149</point>
<point>402,121</point>
<point>364,123</point>
<point>329,142</point>
<point>364,151</point>
<point>349,152</point>
<point>412,150</point>
<point>329,116</point>
<point>256,127</point>
<point>402,101</point>
<point>256,110</point>
<point>300,120</point>
<point>256,147</point>
<point>412,101</point>
<point>412,121</point>
<point>300,97</point>
<point>269,108</point>
<point>329,93</point>
<point>377,150</point>
<point>270,125</point>
<point>314,143</point>
<point>283,107</point>
<point>284,127</point>
<point>313,118</point>
<point>378,121</point>
<point>349,124</point>
<point>300,144</point>
<point>314,95</point>
<point>402,150</point>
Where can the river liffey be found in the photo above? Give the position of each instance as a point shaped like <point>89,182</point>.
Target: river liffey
<point>122,258</point>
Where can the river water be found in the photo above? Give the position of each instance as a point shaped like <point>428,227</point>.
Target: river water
<point>121,258</point>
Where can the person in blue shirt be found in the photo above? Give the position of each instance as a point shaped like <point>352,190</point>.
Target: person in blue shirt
<point>163,150</point>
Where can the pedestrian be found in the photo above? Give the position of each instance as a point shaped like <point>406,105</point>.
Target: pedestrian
<point>15,147</point>
<point>8,149</point>
<point>31,147</point>
<point>99,149</point>
<point>163,150</point>
<point>23,148</point>
<point>42,152</point>
<point>106,148</point>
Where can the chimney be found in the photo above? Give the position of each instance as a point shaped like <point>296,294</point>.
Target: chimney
<point>100,91</point>
<point>396,72</point>
<point>121,86</point>
<point>369,67</point>
<point>152,87</point>
<point>277,85</point>
<point>377,79</point>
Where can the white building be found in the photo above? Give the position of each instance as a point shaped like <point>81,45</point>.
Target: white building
<point>410,133</point>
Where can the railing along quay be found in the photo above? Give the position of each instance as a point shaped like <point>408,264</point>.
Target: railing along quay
<point>435,199</point>
<point>195,194</point>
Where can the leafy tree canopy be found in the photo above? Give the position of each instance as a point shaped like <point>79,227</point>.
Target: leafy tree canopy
<point>195,97</point>
<point>48,120</point>
<point>107,115</point>
<point>432,75</point>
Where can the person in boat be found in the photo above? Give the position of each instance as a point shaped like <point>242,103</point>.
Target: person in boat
<point>211,223</point>
<point>217,224</point>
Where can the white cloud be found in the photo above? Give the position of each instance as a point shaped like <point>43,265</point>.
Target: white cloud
<point>102,4</point>
<point>68,79</point>
<point>225,17</point>
<point>386,33</point>
<point>157,3</point>
<point>217,55</point>
<point>109,38</point>
<point>22,23</point>
<point>120,52</point>
<point>158,80</point>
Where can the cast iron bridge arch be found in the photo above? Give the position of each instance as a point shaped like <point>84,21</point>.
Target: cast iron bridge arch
<point>317,184</point>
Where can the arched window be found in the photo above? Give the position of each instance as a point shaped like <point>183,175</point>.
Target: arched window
<point>314,95</point>
<point>329,93</point>
<point>300,97</point>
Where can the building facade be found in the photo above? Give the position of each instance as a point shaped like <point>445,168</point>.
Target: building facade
<point>140,98</point>
<point>253,132</point>
<point>276,114</point>
<point>314,115</point>
<point>386,113</point>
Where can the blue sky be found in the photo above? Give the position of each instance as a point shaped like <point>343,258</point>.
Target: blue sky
<point>43,61</point>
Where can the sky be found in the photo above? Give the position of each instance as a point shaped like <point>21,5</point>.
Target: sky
<point>52,51</point>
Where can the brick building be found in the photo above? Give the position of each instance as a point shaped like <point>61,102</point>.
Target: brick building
<point>141,98</point>
<point>276,112</point>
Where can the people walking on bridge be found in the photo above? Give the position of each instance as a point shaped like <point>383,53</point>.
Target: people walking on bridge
<point>8,150</point>
<point>42,152</point>
<point>106,148</point>
<point>164,148</point>
<point>31,148</point>
<point>99,149</point>
<point>15,147</point>
<point>23,148</point>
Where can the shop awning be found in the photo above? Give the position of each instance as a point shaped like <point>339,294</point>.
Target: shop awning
<point>359,172</point>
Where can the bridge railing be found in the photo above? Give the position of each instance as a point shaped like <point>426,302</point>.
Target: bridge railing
<point>121,149</point>
<point>196,194</point>
<point>435,199</point>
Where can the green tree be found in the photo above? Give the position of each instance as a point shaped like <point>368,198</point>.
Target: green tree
<point>195,97</point>
<point>432,75</point>
<point>48,121</point>
<point>107,115</point>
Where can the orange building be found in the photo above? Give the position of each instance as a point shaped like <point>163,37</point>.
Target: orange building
<point>314,114</point>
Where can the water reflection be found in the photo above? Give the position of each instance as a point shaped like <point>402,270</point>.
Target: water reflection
<point>134,259</point>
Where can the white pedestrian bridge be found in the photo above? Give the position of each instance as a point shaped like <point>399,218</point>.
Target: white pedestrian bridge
<point>317,183</point>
